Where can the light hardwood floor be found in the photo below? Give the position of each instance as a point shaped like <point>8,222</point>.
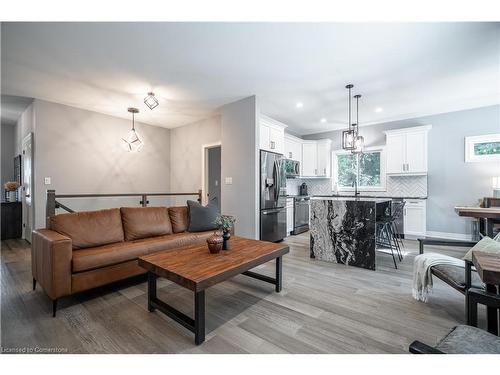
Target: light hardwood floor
<point>323,308</point>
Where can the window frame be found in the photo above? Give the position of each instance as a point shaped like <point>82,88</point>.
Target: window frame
<point>383,175</point>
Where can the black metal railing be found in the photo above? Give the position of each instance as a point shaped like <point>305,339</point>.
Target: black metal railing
<point>53,203</point>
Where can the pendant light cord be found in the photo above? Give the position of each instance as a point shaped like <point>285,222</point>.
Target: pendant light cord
<point>133,121</point>
<point>357,115</point>
<point>349,108</point>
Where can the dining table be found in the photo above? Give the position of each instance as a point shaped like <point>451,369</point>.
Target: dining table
<point>488,215</point>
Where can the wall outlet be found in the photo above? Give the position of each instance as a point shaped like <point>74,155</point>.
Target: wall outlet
<point>47,180</point>
<point>229,180</point>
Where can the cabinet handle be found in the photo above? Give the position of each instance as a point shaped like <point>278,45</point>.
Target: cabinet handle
<point>290,155</point>
<point>271,144</point>
<point>315,171</point>
<point>407,167</point>
<point>324,171</point>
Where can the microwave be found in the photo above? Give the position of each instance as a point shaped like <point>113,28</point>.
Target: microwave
<point>292,168</point>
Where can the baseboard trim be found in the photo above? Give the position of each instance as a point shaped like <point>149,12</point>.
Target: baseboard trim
<point>450,236</point>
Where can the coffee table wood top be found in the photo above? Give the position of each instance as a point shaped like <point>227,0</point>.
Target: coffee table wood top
<point>488,266</point>
<point>193,266</point>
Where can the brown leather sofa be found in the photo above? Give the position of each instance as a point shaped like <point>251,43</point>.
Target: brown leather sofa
<point>84,250</point>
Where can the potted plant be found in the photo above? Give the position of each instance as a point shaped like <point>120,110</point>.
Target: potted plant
<point>225,223</point>
<point>11,188</point>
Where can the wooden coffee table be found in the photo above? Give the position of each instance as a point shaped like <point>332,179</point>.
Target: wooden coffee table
<point>194,268</point>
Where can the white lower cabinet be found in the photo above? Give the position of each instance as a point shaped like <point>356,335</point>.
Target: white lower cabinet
<point>289,215</point>
<point>415,217</point>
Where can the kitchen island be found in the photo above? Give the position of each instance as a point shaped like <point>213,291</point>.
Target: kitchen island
<point>343,229</point>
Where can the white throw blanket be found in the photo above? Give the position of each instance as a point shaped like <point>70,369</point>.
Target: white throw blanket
<point>422,277</point>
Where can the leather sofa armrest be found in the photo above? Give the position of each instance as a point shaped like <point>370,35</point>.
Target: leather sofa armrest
<point>51,255</point>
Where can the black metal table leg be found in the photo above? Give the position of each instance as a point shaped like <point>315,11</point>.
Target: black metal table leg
<point>471,311</point>
<point>279,274</point>
<point>492,312</point>
<point>151,290</point>
<point>199,317</point>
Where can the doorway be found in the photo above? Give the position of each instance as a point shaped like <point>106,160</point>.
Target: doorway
<point>27,189</point>
<point>212,174</point>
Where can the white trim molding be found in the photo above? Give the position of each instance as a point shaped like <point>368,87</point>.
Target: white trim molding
<point>449,235</point>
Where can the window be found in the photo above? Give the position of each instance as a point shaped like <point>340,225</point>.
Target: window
<point>482,148</point>
<point>367,169</point>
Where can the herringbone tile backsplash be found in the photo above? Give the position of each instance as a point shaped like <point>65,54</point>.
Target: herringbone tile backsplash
<point>397,186</point>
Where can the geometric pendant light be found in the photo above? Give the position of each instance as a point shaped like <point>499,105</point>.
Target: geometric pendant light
<point>349,135</point>
<point>132,143</point>
<point>359,141</point>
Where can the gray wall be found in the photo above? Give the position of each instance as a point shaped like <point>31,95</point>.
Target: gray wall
<point>81,151</point>
<point>186,144</point>
<point>240,161</point>
<point>451,181</point>
<point>8,135</point>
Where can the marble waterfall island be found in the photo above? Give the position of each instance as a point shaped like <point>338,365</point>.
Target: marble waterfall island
<point>343,229</point>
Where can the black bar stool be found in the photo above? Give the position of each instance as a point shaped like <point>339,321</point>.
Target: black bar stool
<point>387,236</point>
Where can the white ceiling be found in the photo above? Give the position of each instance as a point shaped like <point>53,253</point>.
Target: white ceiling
<point>409,70</point>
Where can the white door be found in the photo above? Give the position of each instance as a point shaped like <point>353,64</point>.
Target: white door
<point>323,151</point>
<point>416,152</point>
<point>264,138</point>
<point>309,159</point>
<point>415,218</point>
<point>297,151</point>
<point>293,150</point>
<point>277,140</point>
<point>27,164</point>
<point>396,158</point>
<point>289,148</point>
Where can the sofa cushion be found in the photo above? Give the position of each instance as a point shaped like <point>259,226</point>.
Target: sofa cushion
<point>91,228</point>
<point>107,255</point>
<point>145,222</point>
<point>103,256</point>
<point>178,218</point>
<point>202,218</point>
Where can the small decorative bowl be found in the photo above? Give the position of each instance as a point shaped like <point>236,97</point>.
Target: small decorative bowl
<point>214,243</point>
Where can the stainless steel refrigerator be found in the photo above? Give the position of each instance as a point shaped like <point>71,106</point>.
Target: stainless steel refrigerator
<point>272,197</point>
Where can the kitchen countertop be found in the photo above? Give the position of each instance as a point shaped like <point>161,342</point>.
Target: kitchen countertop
<point>364,196</point>
<point>352,198</point>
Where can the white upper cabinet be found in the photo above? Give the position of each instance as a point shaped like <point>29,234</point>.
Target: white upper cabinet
<point>316,158</point>
<point>395,149</point>
<point>293,147</point>
<point>407,150</point>
<point>416,152</point>
<point>324,157</point>
<point>272,135</point>
<point>309,167</point>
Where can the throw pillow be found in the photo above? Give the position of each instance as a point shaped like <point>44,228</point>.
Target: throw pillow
<point>487,245</point>
<point>202,218</point>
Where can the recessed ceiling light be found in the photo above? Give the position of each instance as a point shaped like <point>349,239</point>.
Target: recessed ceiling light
<point>379,109</point>
<point>299,105</point>
<point>323,120</point>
